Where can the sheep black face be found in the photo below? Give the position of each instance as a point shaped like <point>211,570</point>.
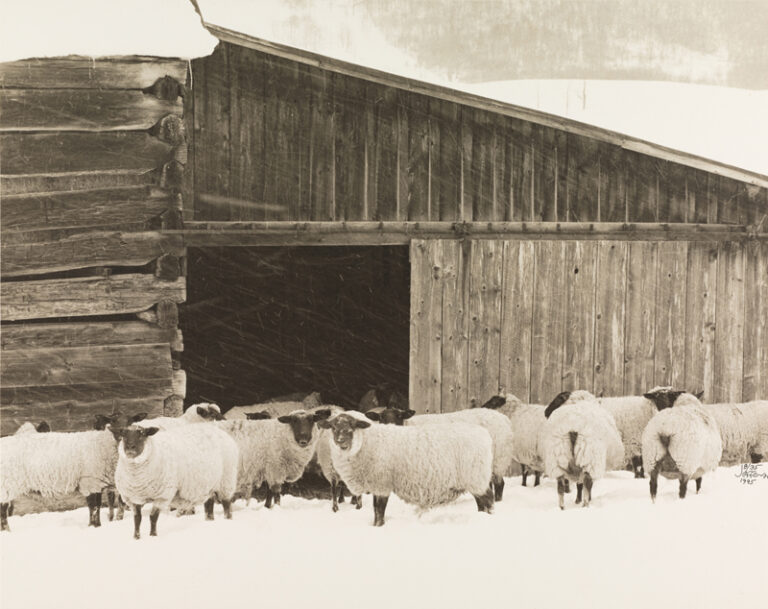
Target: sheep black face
<point>134,438</point>
<point>390,416</point>
<point>302,424</point>
<point>343,428</point>
<point>663,398</point>
<point>560,399</point>
<point>209,413</point>
<point>43,427</point>
<point>497,401</point>
<point>257,416</point>
<point>116,419</point>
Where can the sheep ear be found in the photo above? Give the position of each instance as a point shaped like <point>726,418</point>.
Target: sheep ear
<point>324,424</point>
<point>407,414</point>
<point>286,418</point>
<point>373,416</point>
<point>43,427</point>
<point>100,421</point>
<point>151,431</point>
<point>322,414</point>
<point>699,395</point>
<point>117,432</point>
<point>560,399</point>
<point>361,424</point>
<point>140,416</point>
<point>497,401</point>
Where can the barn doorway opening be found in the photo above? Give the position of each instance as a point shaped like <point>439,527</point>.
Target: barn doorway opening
<point>261,322</point>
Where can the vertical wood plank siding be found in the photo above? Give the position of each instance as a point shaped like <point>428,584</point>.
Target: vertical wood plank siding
<point>635,315</point>
<point>278,140</point>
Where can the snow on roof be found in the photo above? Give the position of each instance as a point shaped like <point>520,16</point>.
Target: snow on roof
<point>95,28</point>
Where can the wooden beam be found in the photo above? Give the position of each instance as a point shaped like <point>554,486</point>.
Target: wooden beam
<point>209,234</point>
<point>79,296</point>
<point>80,180</point>
<point>63,152</point>
<point>81,334</point>
<point>75,72</point>
<point>81,110</point>
<point>87,250</point>
<point>484,103</point>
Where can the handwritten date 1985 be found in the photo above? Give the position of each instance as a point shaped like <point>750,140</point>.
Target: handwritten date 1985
<point>749,472</point>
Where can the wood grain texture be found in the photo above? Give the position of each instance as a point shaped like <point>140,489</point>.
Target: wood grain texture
<point>455,352</point>
<point>81,110</point>
<point>350,165</point>
<point>80,296</point>
<point>755,373</point>
<point>729,336</point>
<point>548,322</point>
<point>517,311</point>
<point>670,314</point>
<point>87,250</point>
<point>643,309</point>
<point>82,334</point>
<point>610,318</point>
<point>322,144</point>
<point>73,72</point>
<point>384,166</point>
<point>64,152</point>
<point>485,297</point>
<point>578,298</point>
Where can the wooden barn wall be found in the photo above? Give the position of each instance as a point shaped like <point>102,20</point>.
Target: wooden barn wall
<point>275,139</point>
<point>613,317</point>
<point>93,158</point>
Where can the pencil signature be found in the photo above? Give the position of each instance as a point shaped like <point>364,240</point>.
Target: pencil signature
<point>749,472</point>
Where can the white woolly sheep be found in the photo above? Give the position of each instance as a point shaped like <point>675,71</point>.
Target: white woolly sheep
<point>741,430</point>
<point>426,465</point>
<point>324,460</point>
<point>274,451</point>
<point>197,413</point>
<point>186,465</point>
<point>497,425</point>
<point>56,464</point>
<point>274,409</point>
<point>681,442</point>
<point>579,442</point>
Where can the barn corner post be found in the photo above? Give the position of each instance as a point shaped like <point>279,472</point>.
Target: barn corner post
<point>90,321</point>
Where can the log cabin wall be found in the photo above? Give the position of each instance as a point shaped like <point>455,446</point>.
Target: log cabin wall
<point>615,317</point>
<point>278,139</point>
<point>93,158</point>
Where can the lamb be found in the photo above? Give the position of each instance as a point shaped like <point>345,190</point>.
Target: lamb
<point>59,463</point>
<point>197,413</point>
<point>274,451</point>
<point>426,466</point>
<point>497,425</point>
<point>579,442</point>
<point>742,430</point>
<point>274,409</point>
<point>681,442</point>
<point>185,465</point>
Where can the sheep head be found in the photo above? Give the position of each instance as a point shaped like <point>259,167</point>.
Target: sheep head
<point>390,416</point>
<point>302,423</point>
<point>343,428</point>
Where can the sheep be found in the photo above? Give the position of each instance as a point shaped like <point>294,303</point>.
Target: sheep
<point>426,466</point>
<point>197,413</point>
<point>681,441</point>
<point>579,441</point>
<point>59,463</point>
<point>498,426</point>
<point>274,409</point>
<point>29,427</point>
<point>383,395</point>
<point>324,461</point>
<point>262,415</point>
<point>274,451</point>
<point>741,430</point>
<point>185,465</point>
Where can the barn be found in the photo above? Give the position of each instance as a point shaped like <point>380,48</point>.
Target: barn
<point>263,219</point>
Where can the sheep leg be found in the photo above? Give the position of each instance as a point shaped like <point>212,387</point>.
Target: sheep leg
<point>153,516</point>
<point>637,466</point>
<point>525,474</point>
<point>10,509</point>
<point>341,492</point>
<point>537,479</point>
<point>561,492</point>
<point>654,482</point>
<point>136,520</point>
<point>683,485</point>
<point>227,505</point>
<point>579,488</point>
<point>485,501</point>
<point>111,505</point>
<point>498,487</point>
<point>379,507</point>
<point>587,489</point>
<point>120,507</point>
<point>357,501</point>
<point>4,517</point>
<point>209,509</point>
<point>94,509</point>
<point>698,484</point>
<point>334,496</point>
<point>276,491</point>
<point>567,485</point>
<point>756,458</point>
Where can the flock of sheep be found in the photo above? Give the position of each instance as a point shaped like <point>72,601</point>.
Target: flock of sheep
<point>381,448</point>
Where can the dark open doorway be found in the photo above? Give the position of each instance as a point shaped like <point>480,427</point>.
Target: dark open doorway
<point>266,321</point>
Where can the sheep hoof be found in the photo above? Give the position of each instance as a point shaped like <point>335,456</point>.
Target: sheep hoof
<point>359,505</point>
<point>136,536</point>
<point>335,508</point>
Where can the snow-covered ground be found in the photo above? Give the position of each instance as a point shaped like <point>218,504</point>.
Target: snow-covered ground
<point>709,550</point>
